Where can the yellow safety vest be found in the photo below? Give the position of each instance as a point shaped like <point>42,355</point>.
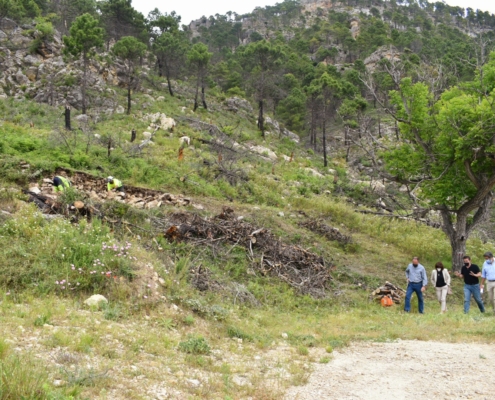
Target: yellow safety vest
<point>116,184</point>
<point>65,184</point>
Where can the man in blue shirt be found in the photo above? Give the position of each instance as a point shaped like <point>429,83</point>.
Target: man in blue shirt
<point>488,274</point>
<point>416,283</point>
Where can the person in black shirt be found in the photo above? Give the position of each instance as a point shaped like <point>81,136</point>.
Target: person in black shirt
<point>471,273</point>
<point>440,279</point>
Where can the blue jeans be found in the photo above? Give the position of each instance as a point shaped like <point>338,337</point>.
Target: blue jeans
<point>475,291</point>
<point>414,287</point>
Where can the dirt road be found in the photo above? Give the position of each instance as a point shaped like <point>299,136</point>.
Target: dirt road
<point>403,370</point>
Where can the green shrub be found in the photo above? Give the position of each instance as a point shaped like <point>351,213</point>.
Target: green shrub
<point>234,332</point>
<point>25,145</point>
<point>42,320</point>
<point>4,348</point>
<point>22,377</point>
<point>195,345</point>
<point>57,256</point>
<point>111,312</point>
<point>188,320</point>
<point>305,340</point>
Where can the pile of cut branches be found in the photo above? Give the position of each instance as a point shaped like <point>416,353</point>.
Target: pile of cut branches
<point>303,270</point>
<point>388,289</point>
<point>329,232</point>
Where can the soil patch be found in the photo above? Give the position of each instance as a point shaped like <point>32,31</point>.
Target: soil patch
<point>403,370</point>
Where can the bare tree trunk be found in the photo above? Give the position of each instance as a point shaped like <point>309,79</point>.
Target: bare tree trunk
<point>347,143</point>
<point>458,252</point>
<point>459,232</point>
<point>85,67</point>
<point>203,100</point>
<point>109,147</point>
<point>324,131</point>
<point>169,86</point>
<point>129,98</point>
<point>261,120</point>
<point>67,117</point>
<point>196,96</point>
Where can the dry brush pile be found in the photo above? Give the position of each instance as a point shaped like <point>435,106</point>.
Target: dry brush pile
<point>330,233</point>
<point>301,269</point>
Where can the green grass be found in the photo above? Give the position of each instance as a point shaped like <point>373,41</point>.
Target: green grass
<point>195,345</point>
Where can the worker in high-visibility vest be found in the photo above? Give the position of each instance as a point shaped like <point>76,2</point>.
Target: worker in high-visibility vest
<point>113,183</point>
<point>60,183</point>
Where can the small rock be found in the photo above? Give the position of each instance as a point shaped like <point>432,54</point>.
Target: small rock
<point>314,172</point>
<point>95,300</point>
<point>194,382</point>
<point>281,214</point>
<point>285,335</point>
<point>35,190</point>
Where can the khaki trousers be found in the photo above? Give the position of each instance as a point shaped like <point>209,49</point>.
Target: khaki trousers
<point>490,288</point>
<point>442,297</point>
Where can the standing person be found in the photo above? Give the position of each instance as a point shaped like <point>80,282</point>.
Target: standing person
<point>440,278</point>
<point>114,184</point>
<point>60,183</point>
<point>471,273</point>
<point>416,282</point>
<point>488,274</point>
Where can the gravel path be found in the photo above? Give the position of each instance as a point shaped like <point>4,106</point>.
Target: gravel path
<point>403,370</point>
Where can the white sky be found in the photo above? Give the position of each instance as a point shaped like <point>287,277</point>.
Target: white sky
<point>483,5</point>
<point>193,9</point>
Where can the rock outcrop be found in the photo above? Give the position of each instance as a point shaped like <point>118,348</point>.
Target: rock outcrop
<point>385,52</point>
<point>41,73</point>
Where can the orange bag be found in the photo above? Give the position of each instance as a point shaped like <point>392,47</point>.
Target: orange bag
<point>386,301</point>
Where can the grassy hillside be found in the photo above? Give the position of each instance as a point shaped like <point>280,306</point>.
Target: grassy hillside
<point>159,335</point>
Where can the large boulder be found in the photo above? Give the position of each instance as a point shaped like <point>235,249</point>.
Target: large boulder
<point>274,126</point>
<point>264,151</point>
<point>21,79</point>
<point>32,60</point>
<point>291,135</point>
<point>160,120</point>
<point>236,103</point>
